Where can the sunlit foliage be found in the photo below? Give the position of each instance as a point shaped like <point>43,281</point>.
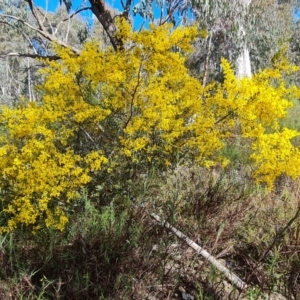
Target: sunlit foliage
<point>104,110</point>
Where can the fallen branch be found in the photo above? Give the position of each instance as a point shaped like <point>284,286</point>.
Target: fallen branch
<point>231,276</point>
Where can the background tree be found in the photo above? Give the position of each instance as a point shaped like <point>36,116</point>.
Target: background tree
<point>21,44</point>
<point>294,48</point>
<point>268,25</point>
<point>271,26</point>
<point>223,21</point>
<point>14,71</point>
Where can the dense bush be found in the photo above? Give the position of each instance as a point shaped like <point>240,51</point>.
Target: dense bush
<point>106,115</point>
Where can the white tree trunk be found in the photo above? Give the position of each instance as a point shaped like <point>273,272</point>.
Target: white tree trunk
<point>243,63</point>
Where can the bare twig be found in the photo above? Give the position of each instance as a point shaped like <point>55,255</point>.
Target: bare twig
<point>125,14</point>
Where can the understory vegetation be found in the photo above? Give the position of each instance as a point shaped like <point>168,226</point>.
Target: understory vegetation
<point>116,251</point>
<point>117,136</point>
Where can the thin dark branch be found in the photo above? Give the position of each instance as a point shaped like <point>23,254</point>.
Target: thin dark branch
<point>133,95</point>
<point>127,8</point>
<point>142,26</point>
<point>30,4</point>
<point>122,3</point>
<point>225,117</point>
<point>280,234</point>
<point>75,13</point>
<point>35,56</point>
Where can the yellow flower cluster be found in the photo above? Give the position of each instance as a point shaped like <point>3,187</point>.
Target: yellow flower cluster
<point>138,104</point>
<point>35,174</point>
<point>275,154</point>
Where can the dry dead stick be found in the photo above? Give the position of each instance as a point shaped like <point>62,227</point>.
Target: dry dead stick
<point>231,276</point>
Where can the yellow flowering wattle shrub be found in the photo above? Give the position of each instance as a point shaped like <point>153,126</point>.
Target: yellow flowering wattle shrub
<point>104,110</point>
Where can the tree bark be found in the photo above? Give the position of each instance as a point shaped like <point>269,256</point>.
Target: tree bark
<point>106,20</point>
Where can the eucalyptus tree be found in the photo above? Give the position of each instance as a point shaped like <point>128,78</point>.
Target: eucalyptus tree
<point>294,49</point>
<point>224,22</point>
<point>295,44</point>
<point>12,69</point>
<point>242,31</point>
<point>21,43</point>
<point>271,27</point>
